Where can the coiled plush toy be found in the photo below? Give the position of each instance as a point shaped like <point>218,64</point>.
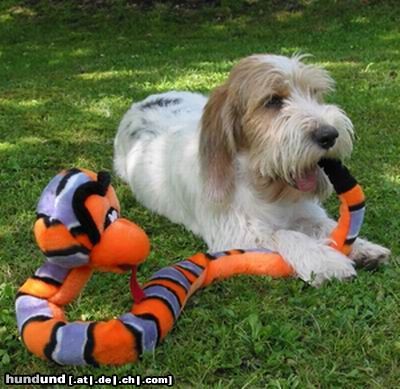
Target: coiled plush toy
<point>79,229</point>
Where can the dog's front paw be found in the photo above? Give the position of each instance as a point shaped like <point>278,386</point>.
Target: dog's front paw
<point>332,265</point>
<point>369,255</point>
<point>313,261</point>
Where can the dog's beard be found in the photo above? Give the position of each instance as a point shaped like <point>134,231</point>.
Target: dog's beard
<point>303,175</point>
<point>290,177</point>
<point>272,189</point>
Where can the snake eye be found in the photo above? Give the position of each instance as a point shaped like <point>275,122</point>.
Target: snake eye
<point>111,217</point>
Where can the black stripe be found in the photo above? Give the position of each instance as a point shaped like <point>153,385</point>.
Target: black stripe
<point>137,335</point>
<point>234,252</point>
<point>209,256</point>
<point>69,251</point>
<point>180,271</point>
<point>47,280</point>
<point>89,346</point>
<point>170,279</point>
<point>168,288</point>
<point>189,270</point>
<point>195,263</point>
<point>338,175</point>
<point>165,301</point>
<point>78,230</point>
<point>31,319</point>
<point>49,348</point>
<point>64,180</point>
<point>356,207</point>
<point>150,316</point>
<point>47,221</point>
<point>165,278</point>
<point>83,215</point>
<point>20,294</point>
<point>350,241</point>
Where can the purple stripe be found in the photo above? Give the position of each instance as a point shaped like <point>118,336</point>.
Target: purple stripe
<point>27,307</point>
<point>47,198</point>
<point>356,221</point>
<point>173,274</point>
<point>148,329</point>
<point>63,203</point>
<point>52,271</point>
<point>69,261</point>
<point>191,266</point>
<point>219,254</point>
<point>71,342</point>
<point>164,293</point>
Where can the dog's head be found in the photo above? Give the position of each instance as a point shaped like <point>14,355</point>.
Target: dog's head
<point>271,111</point>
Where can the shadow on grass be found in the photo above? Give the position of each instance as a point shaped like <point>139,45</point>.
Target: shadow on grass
<point>67,42</point>
<point>67,75</point>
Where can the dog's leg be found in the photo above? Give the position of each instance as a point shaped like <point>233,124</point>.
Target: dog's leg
<point>364,253</point>
<point>368,254</point>
<point>312,260</point>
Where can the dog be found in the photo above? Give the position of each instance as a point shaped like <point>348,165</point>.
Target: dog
<point>240,168</point>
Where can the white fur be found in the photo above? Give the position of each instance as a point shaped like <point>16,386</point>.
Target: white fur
<point>157,153</point>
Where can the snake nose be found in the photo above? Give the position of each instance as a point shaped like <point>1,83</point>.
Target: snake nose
<point>123,244</point>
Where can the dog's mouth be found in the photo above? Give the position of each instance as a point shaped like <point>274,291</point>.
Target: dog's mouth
<point>307,181</point>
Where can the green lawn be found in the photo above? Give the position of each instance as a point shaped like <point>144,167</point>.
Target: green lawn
<point>67,76</point>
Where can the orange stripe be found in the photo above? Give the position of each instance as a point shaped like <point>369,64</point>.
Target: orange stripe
<point>97,206</point>
<point>72,286</point>
<point>57,312</point>
<point>55,237</point>
<point>114,344</point>
<point>84,240</point>
<point>178,289</point>
<point>346,249</point>
<point>158,309</point>
<point>89,173</point>
<point>192,278</point>
<point>112,198</point>
<point>37,334</point>
<point>39,288</point>
<point>200,259</point>
<point>251,263</point>
<point>339,234</point>
<point>353,196</point>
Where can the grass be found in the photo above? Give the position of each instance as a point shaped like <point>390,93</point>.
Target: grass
<point>67,75</point>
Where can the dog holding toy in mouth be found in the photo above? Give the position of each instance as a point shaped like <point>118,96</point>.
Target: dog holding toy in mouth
<point>240,168</point>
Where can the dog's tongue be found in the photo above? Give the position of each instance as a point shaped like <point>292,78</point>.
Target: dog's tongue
<point>308,182</point>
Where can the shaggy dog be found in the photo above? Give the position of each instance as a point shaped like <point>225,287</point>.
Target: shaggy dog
<point>240,168</point>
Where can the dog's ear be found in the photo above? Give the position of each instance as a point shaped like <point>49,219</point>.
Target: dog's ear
<point>219,124</point>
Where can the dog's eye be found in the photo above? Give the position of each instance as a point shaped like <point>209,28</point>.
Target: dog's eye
<point>274,102</point>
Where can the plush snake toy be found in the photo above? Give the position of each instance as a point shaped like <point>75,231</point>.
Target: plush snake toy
<point>79,229</point>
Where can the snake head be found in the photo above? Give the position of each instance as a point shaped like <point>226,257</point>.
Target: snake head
<point>79,224</point>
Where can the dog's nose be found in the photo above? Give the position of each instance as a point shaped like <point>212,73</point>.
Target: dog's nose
<point>325,136</point>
